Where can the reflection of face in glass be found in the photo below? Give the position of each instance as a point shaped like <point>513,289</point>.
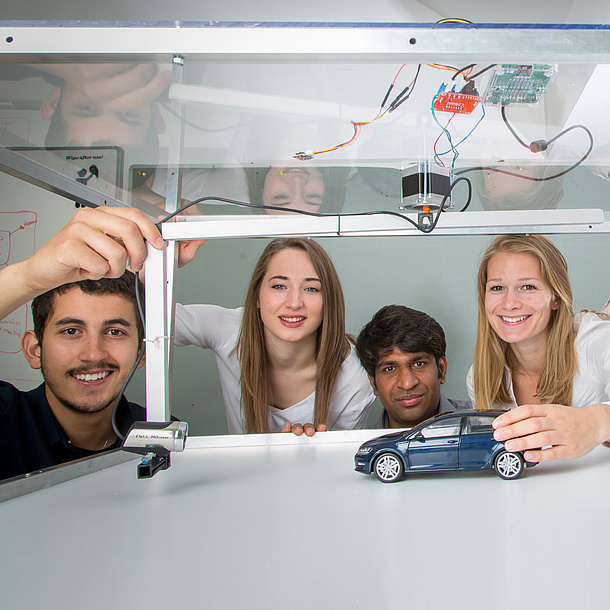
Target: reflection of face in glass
<point>86,122</point>
<point>294,187</point>
<point>501,185</point>
<point>90,122</point>
<point>498,191</point>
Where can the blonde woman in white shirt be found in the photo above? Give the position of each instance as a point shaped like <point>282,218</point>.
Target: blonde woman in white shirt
<point>533,354</point>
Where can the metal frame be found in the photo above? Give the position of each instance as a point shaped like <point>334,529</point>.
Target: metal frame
<point>25,169</point>
<point>369,43</point>
<point>336,42</point>
<point>158,325</point>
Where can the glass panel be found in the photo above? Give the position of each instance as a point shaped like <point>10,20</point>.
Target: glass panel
<point>323,137</point>
<point>321,120</point>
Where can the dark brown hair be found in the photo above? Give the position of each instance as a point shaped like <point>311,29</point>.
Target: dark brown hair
<point>124,286</point>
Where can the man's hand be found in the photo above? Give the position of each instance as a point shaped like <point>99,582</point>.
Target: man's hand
<point>96,243</point>
<point>299,429</point>
<point>566,432</point>
<point>187,248</point>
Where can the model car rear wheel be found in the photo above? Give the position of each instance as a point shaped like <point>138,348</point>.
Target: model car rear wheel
<point>388,468</point>
<point>509,465</point>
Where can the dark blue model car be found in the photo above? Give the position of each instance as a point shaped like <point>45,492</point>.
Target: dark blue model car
<point>453,441</point>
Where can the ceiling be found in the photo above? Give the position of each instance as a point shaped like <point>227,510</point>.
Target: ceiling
<point>481,11</point>
<point>521,11</point>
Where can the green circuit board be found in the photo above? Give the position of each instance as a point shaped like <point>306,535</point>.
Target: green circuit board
<point>518,84</point>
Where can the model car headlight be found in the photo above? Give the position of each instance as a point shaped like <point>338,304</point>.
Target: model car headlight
<point>364,450</point>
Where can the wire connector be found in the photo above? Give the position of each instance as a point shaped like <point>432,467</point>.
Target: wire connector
<point>157,340</point>
<point>303,156</point>
<point>469,88</point>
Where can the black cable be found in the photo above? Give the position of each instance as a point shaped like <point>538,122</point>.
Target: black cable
<point>387,95</point>
<point>133,368</point>
<point>442,205</point>
<point>406,92</point>
<point>532,178</point>
<point>257,206</point>
<point>469,191</point>
<point>462,70</point>
<point>472,76</point>
<point>505,119</point>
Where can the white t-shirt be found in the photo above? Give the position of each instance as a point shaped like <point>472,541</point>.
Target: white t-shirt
<point>592,379</point>
<point>217,328</point>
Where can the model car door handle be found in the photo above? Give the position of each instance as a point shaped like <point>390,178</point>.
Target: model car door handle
<point>453,441</point>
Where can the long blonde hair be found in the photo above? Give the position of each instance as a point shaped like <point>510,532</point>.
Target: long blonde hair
<point>332,345</point>
<point>490,356</point>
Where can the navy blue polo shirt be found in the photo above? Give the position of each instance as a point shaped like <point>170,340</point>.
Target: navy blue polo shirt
<point>31,438</point>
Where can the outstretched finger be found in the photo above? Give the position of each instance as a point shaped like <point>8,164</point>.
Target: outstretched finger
<point>519,414</point>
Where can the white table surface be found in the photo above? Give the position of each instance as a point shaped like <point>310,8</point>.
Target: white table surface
<point>293,526</point>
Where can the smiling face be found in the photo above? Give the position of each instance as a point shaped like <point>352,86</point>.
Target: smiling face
<point>294,187</point>
<point>89,345</point>
<point>518,300</point>
<point>290,298</point>
<point>409,385</point>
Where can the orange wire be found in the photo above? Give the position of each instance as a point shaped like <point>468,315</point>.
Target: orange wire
<point>359,124</point>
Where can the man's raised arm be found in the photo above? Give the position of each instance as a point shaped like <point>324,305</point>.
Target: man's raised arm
<point>96,243</point>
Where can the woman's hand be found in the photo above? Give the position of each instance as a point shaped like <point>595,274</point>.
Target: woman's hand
<point>187,250</point>
<point>564,432</point>
<point>299,429</point>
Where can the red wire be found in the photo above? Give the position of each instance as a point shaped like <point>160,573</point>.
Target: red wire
<point>439,137</point>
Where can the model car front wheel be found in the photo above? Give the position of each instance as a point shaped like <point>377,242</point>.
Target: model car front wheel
<point>509,465</point>
<point>388,468</point>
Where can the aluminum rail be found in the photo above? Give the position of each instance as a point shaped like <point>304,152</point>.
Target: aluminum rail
<point>369,43</point>
<point>25,169</point>
<point>450,223</point>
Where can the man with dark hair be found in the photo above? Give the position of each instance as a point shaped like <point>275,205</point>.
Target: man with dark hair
<point>86,338</point>
<point>124,286</point>
<point>105,104</point>
<point>403,353</point>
